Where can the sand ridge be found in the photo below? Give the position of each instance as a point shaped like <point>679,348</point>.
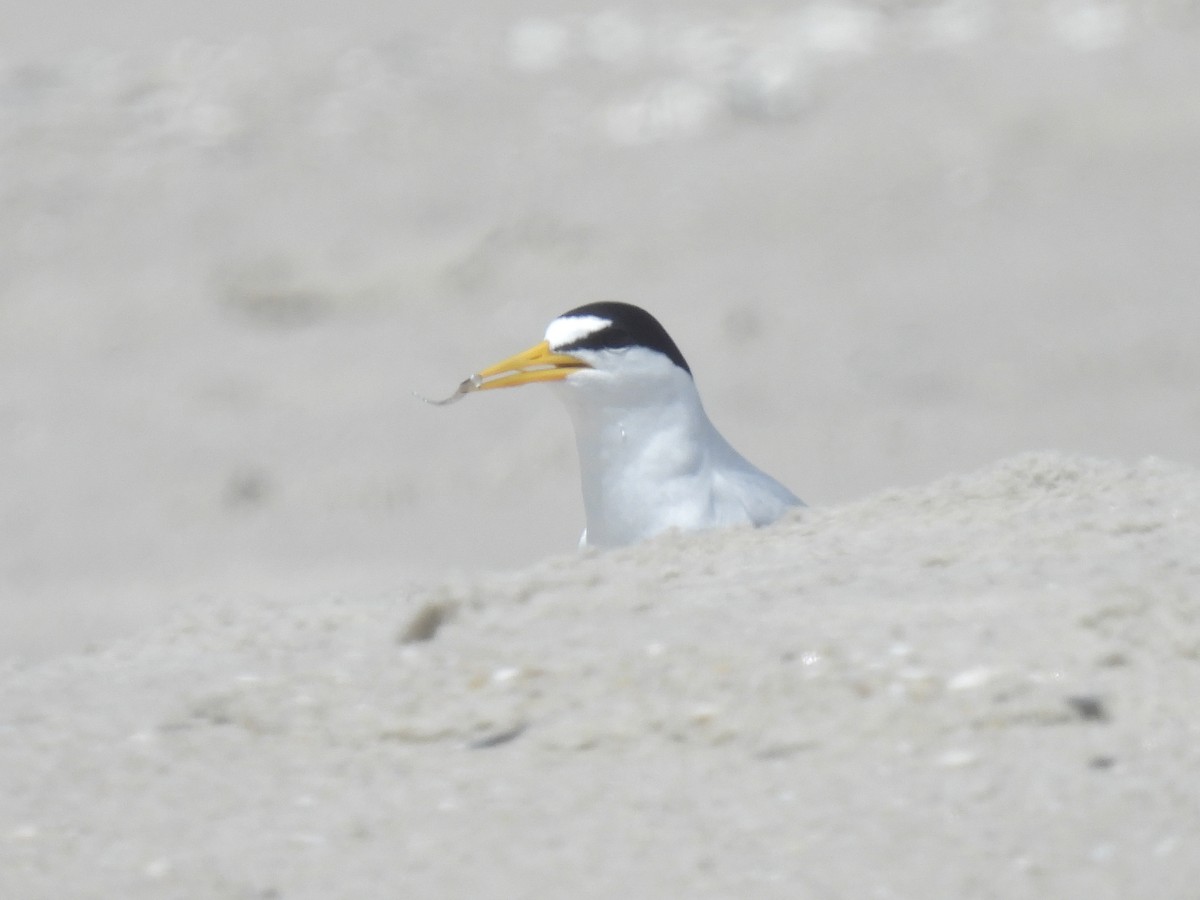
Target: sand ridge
<point>1001,663</point>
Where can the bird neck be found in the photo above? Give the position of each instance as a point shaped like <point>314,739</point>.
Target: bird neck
<point>637,458</point>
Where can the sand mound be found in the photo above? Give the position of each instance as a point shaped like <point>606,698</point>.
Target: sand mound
<point>982,687</point>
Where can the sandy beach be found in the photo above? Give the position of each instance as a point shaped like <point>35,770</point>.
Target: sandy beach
<point>980,688</point>
<point>270,627</point>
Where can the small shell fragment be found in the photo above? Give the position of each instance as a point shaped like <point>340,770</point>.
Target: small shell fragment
<point>469,385</point>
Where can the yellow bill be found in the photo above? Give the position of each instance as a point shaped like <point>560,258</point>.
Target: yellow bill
<point>538,363</point>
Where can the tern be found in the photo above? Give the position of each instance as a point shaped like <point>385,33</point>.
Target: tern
<point>649,458</point>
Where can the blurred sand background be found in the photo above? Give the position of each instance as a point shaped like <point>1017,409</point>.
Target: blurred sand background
<point>897,242</point>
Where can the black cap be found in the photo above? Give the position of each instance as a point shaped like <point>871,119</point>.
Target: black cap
<point>629,326</point>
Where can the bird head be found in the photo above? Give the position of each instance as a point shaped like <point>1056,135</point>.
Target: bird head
<point>599,353</point>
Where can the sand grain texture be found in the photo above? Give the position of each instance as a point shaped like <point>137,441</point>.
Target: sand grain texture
<point>980,688</point>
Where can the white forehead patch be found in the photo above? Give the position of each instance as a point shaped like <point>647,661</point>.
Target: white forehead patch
<point>570,329</point>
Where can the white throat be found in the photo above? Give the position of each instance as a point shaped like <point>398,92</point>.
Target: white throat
<point>646,463</point>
